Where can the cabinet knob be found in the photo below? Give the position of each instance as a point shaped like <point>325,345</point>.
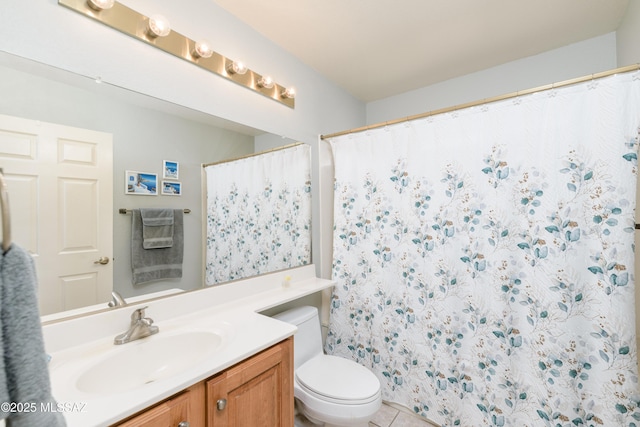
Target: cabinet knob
<point>184,424</point>
<point>221,404</point>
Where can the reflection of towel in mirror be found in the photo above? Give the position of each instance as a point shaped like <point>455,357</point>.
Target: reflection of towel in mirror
<point>156,264</point>
<point>157,228</point>
<point>24,378</point>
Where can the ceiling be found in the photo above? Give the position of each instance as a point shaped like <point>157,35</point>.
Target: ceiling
<point>374,49</point>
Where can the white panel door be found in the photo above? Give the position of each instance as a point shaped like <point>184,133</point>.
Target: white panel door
<point>60,184</point>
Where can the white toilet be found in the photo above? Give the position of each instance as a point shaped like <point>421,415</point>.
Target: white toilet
<point>329,390</point>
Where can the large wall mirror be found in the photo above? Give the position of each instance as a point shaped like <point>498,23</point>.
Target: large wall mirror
<point>145,132</point>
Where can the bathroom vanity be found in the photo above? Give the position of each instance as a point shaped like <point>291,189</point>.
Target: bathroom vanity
<point>185,409</point>
<point>255,392</point>
<point>215,361</point>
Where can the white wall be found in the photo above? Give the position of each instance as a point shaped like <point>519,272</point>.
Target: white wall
<point>47,32</point>
<point>576,60</point>
<point>628,36</point>
<point>44,31</point>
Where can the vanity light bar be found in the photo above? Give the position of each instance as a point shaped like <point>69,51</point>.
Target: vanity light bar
<point>136,25</point>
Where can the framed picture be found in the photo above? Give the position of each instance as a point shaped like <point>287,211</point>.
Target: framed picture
<point>171,188</point>
<point>140,183</point>
<point>170,169</point>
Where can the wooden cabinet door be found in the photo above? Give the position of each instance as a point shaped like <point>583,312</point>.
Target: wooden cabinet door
<point>255,392</point>
<point>186,408</point>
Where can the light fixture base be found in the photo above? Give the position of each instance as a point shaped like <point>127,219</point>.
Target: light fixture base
<point>132,23</point>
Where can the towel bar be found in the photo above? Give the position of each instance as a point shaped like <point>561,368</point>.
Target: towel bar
<point>126,211</point>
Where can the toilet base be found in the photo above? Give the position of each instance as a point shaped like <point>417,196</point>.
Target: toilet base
<point>309,418</point>
<point>302,421</point>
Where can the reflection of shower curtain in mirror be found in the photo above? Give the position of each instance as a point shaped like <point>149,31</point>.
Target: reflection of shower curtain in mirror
<point>484,259</point>
<point>258,214</point>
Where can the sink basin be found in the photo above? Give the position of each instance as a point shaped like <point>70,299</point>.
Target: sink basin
<point>147,360</point>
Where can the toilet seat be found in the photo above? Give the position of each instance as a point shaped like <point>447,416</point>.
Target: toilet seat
<point>338,380</point>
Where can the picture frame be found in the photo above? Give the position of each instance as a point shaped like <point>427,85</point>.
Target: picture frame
<point>140,183</point>
<point>171,188</point>
<point>170,169</point>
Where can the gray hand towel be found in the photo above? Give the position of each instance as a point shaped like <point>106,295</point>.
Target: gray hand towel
<point>157,228</point>
<point>156,264</point>
<point>26,374</point>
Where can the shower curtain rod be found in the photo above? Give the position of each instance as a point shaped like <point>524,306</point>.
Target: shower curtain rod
<point>487,100</point>
<point>284,147</point>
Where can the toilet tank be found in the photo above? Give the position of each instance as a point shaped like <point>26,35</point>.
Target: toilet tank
<point>307,342</point>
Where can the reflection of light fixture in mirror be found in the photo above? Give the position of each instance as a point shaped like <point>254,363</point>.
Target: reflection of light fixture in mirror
<point>159,26</point>
<point>202,50</point>
<point>236,67</point>
<point>289,93</point>
<point>100,4</point>
<point>265,82</point>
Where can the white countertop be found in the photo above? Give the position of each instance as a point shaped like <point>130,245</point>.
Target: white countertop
<point>230,310</point>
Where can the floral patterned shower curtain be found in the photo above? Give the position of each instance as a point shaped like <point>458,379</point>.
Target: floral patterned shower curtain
<point>258,214</point>
<point>484,259</point>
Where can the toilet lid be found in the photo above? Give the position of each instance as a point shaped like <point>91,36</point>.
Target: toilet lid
<point>338,378</point>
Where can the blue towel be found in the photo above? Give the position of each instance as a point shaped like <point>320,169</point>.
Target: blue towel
<point>25,377</point>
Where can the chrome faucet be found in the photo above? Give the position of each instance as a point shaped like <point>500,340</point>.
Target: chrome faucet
<point>140,327</point>
<point>116,300</point>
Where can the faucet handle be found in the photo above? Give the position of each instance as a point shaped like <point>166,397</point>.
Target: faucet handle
<point>138,314</point>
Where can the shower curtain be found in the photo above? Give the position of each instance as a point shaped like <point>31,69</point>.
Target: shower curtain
<point>258,214</point>
<point>484,259</point>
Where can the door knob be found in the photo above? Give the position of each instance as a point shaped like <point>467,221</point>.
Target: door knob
<point>221,404</point>
<point>103,260</point>
<point>184,424</point>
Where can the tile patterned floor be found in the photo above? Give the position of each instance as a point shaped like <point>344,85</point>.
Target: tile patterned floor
<point>387,416</point>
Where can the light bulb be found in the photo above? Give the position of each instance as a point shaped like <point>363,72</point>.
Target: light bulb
<point>236,67</point>
<point>159,26</point>
<point>100,4</point>
<point>288,93</point>
<point>202,50</point>
<point>265,82</point>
